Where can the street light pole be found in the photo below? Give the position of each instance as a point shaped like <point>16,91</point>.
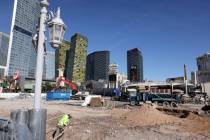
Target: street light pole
<point>40,54</point>
<point>34,120</point>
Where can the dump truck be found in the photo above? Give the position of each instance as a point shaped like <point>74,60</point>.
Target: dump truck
<point>164,99</point>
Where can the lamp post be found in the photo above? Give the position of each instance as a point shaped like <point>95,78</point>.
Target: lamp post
<point>56,26</point>
<point>56,32</point>
<point>31,124</point>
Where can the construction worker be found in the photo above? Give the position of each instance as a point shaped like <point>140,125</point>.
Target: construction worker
<point>63,122</point>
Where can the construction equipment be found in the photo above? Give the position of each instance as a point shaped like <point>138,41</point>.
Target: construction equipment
<point>66,84</point>
<point>166,100</point>
<point>62,91</point>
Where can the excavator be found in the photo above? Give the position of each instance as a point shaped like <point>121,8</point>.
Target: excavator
<point>62,83</point>
<point>63,90</point>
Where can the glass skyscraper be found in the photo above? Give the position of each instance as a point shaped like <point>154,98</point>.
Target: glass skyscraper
<point>97,66</point>
<point>49,62</point>
<point>135,65</point>
<point>4,43</point>
<point>203,63</point>
<point>21,53</point>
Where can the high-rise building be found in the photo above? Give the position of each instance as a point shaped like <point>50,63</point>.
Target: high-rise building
<point>135,65</point>
<point>60,57</point>
<point>49,60</point>
<point>203,63</point>
<point>97,66</point>
<point>21,52</point>
<point>4,44</point>
<point>75,68</point>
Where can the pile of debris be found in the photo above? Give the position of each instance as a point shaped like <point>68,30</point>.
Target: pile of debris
<point>93,101</point>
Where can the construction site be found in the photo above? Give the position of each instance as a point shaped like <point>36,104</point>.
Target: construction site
<point>106,119</point>
<point>148,111</point>
<point>75,92</point>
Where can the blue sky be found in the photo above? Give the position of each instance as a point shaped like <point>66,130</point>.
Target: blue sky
<point>170,33</point>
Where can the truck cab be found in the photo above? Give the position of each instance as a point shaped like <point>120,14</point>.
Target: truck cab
<point>132,93</point>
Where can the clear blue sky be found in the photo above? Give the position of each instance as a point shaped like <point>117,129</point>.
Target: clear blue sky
<point>170,33</point>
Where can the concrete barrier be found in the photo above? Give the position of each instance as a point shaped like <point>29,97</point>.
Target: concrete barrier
<point>15,95</point>
<point>9,95</point>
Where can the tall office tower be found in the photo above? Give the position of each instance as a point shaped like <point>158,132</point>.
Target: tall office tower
<point>97,66</point>
<point>203,63</point>
<point>135,65</point>
<point>49,60</point>
<point>21,52</point>
<point>4,44</point>
<point>76,61</point>
<point>60,57</point>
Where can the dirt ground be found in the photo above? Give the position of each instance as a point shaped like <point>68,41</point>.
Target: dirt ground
<point>125,123</point>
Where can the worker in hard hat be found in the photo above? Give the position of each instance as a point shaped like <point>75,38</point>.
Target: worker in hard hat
<point>63,122</point>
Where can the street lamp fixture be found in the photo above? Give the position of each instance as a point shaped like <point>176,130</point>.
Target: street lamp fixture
<point>56,30</point>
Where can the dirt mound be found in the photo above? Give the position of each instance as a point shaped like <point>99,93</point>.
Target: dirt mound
<point>147,115</point>
<point>192,116</point>
<point>96,102</point>
<point>196,124</point>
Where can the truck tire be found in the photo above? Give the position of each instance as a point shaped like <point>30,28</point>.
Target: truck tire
<point>166,104</point>
<point>174,104</point>
<point>156,103</point>
<point>133,103</point>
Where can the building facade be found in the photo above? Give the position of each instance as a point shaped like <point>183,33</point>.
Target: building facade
<point>60,57</point>
<point>203,63</point>
<point>4,44</point>
<point>97,66</point>
<point>194,77</point>
<point>75,68</point>
<point>113,68</point>
<point>135,65</point>
<point>49,60</point>
<point>116,79</point>
<point>175,80</point>
<point>21,52</point>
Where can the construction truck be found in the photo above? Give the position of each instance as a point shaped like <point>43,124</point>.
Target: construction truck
<point>167,100</point>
